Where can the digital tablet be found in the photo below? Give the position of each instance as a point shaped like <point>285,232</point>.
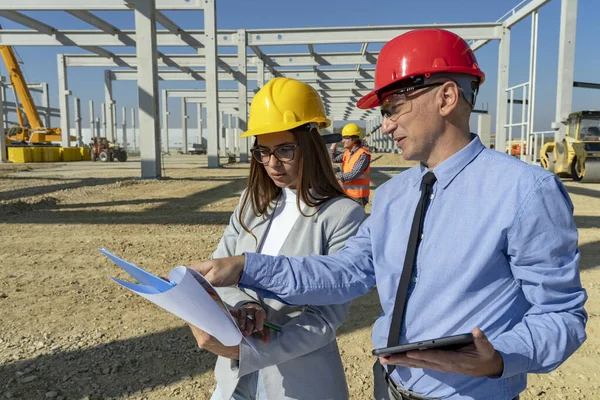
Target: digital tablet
<point>443,343</point>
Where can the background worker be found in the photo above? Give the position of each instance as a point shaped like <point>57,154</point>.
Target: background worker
<point>355,175</point>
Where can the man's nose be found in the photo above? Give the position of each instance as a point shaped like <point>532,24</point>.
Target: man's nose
<point>387,126</point>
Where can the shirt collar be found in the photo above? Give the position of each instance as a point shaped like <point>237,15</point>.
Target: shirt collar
<point>451,167</point>
<point>354,150</point>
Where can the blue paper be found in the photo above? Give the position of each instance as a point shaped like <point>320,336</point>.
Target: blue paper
<point>149,283</point>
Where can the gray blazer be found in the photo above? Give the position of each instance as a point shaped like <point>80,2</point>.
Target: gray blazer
<point>302,361</point>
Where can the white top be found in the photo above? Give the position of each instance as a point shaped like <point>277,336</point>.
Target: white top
<point>284,218</point>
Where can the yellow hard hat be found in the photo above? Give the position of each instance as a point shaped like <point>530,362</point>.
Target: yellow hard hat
<point>284,104</point>
<point>351,130</point>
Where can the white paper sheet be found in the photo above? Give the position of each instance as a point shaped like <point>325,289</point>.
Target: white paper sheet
<point>187,295</point>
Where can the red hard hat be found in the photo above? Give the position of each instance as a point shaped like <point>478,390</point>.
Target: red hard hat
<point>420,53</point>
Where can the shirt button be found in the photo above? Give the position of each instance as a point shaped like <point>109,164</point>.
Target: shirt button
<point>431,197</point>
<point>414,279</point>
<point>421,236</point>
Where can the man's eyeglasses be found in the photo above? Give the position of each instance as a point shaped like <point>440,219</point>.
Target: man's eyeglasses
<point>284,154</point>
<point>399,103</point>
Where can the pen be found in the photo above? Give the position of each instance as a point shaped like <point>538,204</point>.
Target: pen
<point>269,325</point>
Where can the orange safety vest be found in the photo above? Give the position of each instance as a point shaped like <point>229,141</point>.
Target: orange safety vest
<point>360,187</point>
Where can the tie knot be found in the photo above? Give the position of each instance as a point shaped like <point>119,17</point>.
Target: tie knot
<point>428,179</point>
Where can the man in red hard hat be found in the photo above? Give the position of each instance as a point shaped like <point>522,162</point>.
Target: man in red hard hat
<point>471,240</point>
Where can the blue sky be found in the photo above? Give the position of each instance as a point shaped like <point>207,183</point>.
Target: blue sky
<point>87,83</point>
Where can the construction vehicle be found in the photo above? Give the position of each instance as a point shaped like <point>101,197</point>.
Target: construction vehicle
<point>105,151</point>
<point>578,155</point>
<point>514,148</point>
<point>32,132</point>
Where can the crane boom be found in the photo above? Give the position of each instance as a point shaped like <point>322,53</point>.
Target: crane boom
<point>20,87</point>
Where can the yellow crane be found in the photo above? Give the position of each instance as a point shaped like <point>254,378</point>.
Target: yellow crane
<point>35,133</point>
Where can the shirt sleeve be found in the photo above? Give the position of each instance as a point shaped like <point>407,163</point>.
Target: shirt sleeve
<point>544,258</point>
<point>231,296</point>
<point>336,157</point>
<point>317,279</point>
<point>361,165</point>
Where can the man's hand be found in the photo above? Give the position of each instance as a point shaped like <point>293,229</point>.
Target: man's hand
<point>221,271</point>
<point>334,147</point>
<point>209,343</point>
<point>478,359</point>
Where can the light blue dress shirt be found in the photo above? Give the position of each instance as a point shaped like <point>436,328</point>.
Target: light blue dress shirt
<point>499,251</point>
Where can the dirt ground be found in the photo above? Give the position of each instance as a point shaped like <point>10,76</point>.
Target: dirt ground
<point>68,332</point>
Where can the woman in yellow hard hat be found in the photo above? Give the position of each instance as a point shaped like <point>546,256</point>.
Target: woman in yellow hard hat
<point>294,206</point>
<point>355,176</point>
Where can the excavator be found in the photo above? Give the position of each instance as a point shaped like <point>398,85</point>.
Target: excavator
<point>33,132</point>
<point>578,155</point>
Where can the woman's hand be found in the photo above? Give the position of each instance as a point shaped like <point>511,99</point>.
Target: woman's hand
<point>251,317</point>
<point>209,343</point>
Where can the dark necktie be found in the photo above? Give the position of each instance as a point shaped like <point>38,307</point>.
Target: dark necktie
<point>411,252</point>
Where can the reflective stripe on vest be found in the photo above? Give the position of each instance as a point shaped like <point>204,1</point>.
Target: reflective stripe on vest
<point>359,187</point>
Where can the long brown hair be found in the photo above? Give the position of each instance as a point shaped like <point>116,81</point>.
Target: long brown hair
<point>315,172</point>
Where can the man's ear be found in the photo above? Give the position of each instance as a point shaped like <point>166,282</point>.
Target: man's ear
<point>449,96</point>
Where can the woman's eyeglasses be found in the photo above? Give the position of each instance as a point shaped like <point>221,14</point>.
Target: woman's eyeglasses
<point>284,154</point>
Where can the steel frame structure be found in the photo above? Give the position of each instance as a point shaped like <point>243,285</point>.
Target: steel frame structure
<point>340,77</point>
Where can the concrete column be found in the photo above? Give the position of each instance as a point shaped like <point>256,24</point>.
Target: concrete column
<point>5,111</point>
<point>502,95</point>
<point>92,124</point>
<point>165,124</point>
<point>78,119</point>
<point>103,115</point>
<point>212,83</point>
<point>124,127</point>
<point>114,115</point>
<point>242,120</point>
<point>199,111</point>
<point>46,104</point>
<point>63,96</point>
<point>260,70</point>
<point>184,124</point>
<point>147,72</point>
<point>484,129</point>
<point>566,67</point>
<point>3,153</point>
<point>108,100</point>
<point>133,132</point>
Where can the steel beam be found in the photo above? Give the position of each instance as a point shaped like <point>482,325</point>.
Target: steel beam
<point>518,16</point>
<point>86,38</point>
<point>97,5</point>
<point>365,76</point>
<point>193,60</point>
<point>362,34</point>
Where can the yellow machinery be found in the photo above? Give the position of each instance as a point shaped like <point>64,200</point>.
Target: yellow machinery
<point>578,155</point>
<point>35,133</point>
